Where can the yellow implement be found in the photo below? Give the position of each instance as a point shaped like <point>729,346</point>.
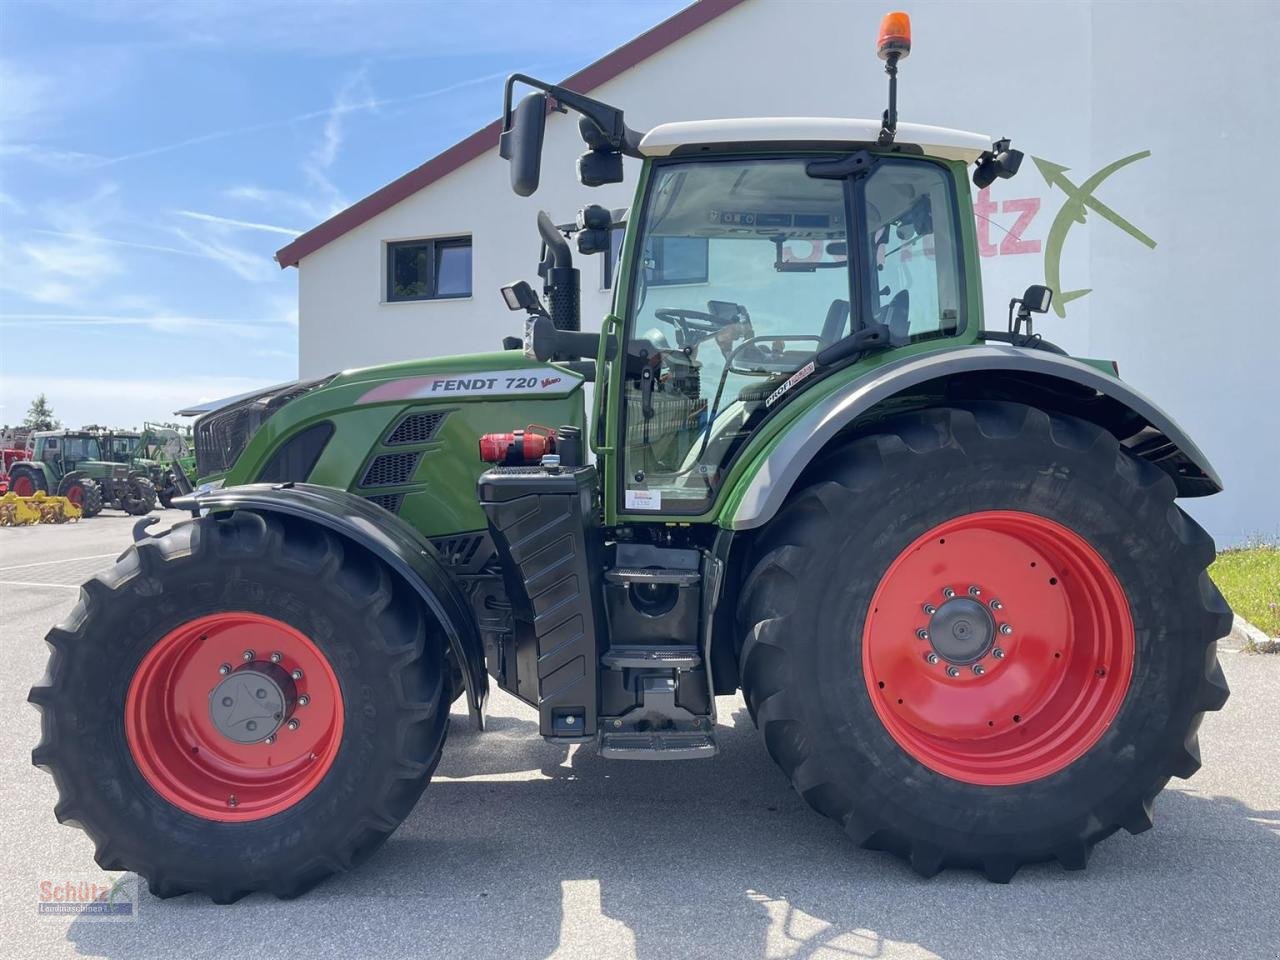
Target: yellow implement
<point>16,511</point>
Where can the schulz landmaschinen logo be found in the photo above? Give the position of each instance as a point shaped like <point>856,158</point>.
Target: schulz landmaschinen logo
<point>1079,201</point>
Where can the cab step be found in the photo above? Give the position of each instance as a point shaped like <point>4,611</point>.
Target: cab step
<point>629,575</point>
<point>657,745</point>
<point>652,658</point>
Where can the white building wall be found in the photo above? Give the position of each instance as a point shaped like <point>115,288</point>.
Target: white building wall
<point>1078,84</point>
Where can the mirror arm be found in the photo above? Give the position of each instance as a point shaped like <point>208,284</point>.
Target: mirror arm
<point>608,120</point>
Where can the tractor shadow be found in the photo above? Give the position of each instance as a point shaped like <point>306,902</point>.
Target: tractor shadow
<point>524,849</point>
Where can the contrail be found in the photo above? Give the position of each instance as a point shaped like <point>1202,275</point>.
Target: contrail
<point>310,115</point>
<point>244,224</point>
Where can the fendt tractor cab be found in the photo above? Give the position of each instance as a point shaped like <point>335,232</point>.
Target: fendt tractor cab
<point>85,467</point>
<point>944,565</point>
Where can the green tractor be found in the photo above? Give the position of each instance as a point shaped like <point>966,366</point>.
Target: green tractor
<point>164,455</point>
<point>945,566</point>
<point>83,466</point>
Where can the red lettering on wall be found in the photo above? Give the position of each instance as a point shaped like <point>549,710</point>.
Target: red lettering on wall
<point>983,210</point>
<point>1027,208</point>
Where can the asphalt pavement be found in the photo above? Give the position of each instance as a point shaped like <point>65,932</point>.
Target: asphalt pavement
<point>521,849</point>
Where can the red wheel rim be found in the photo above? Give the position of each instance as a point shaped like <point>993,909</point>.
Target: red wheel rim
<point>76,494</point>
<point>998,648</point>
<point>23,485</point>
<point>190,760</point>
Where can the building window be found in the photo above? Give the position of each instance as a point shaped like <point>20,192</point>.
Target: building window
<point>669,260</point>
<point>428,269</point>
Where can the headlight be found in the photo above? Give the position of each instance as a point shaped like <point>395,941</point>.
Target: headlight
<point>221,436</point>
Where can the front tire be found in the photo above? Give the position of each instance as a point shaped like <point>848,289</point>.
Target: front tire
<point>139,496</point>
<point>169,780</point>
<point>84,492</point>
<point>870,661</point>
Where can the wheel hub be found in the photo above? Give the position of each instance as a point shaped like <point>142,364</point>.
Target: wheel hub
<point>252,703</point>
<point>962,631</point>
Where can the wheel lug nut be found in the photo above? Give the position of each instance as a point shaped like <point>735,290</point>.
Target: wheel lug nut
<point>270,739</point>
<point>997,605</point>
<point>297,674</point>
<point>931,658</point>
<point>276,658</point>
<point>953,672</point>
<point>247,656</point>
<point>975,592</point>
<point>922,634</point>
<point>293,724</point>
<point>1006,629</point>
<point>224,669</point>
<point>998,653</point>
<point>930,609</point>
<point>978,670</point>
<point>303,700</point>
<point>948,592</point>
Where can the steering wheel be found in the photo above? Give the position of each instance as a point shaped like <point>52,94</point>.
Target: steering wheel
<point>693,326</point>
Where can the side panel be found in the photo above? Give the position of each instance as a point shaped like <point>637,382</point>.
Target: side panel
<point>390,539</point>
<point>772,475</point>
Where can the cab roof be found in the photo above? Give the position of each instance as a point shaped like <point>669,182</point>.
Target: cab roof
<point>666,138</point>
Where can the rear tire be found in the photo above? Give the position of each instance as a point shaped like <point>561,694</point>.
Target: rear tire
<point>835,662</point>
<point>26,482</point>
<point>119,666</point>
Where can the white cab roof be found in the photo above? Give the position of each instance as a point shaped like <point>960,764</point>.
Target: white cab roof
<point>942,142</point>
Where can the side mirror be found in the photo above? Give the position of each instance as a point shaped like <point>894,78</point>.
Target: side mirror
<point>999,163</point>
<point>1037,298</point>
<point>521,143</point>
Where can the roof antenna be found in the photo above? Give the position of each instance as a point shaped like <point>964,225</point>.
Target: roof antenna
<point>894,45</point>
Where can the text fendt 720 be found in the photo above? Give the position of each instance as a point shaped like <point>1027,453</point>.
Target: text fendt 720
<point>945,566</point>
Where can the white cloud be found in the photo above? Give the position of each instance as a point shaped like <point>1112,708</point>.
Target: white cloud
<point>246,264</point>
<point>252,328</point>
<point>129,402</point>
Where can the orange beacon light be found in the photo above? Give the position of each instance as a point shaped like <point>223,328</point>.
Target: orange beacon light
<point>895,36</point>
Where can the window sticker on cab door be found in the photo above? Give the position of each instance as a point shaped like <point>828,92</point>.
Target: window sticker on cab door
<point>644,500</point>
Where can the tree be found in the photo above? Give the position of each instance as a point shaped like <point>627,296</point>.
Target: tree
<point>40,415</point>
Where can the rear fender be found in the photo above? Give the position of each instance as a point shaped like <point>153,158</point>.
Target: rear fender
<point>1146,430</point>
<point>387,537</point>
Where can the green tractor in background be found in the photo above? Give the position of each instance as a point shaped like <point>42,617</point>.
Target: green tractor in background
<point>81,466</point>
<point>945,565</point>
<point>160,453</point>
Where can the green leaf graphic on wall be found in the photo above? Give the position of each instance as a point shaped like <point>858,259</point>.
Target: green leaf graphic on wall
<point>1080,199</point>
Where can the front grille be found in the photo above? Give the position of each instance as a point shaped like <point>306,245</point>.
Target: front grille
<point>387,501</point>
<point>415,428</point>
<point>390,469</point>
<point>221,435</point>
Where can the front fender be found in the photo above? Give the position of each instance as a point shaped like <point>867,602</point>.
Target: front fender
<point>387,537</point>
<point>779,469</point>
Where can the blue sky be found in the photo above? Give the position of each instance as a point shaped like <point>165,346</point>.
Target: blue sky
<point>155,155</point>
